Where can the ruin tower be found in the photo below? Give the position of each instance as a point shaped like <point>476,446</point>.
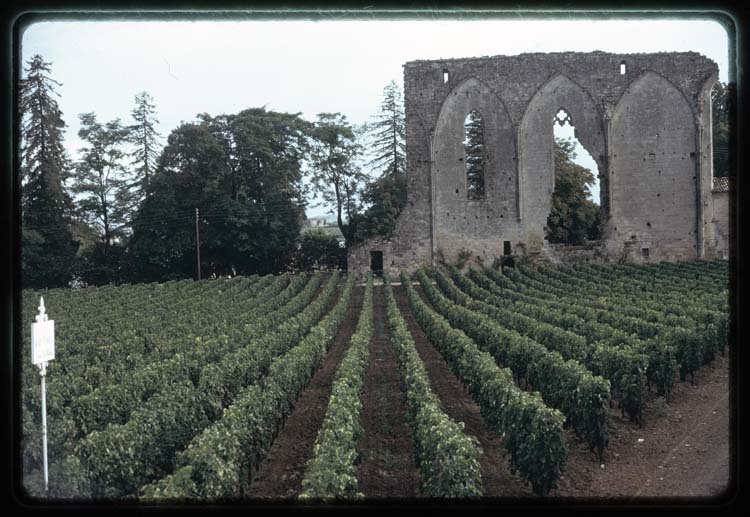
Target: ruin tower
<point>644,118</point>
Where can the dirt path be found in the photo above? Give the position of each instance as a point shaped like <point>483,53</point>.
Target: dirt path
<point>457,403</point>
<point>280,474</point>
<point>684,450</point>
<point>387,469</point>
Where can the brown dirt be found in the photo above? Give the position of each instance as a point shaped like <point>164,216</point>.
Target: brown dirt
<point>497,479</point>
<point>387,468</point>
<point>280,474</point>
<point>684,452</point>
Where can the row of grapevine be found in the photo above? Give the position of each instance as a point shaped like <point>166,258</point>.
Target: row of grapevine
<point>533,433</point>
<point>113,401</point>
<point>606,281</point>
<point>447,458</point>
<point>670,347</point>
<point>122,457</point>
<point>624,368</point>
<point>331,473</point>
<point>125,456</point>
<point>565,385</point>
<point>217,463</point>
<point>614,354</point>
<point>695,333</point>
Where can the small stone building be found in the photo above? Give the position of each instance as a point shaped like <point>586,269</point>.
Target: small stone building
<point>644,118</point>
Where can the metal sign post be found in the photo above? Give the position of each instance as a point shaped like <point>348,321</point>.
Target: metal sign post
<point>43,351</point>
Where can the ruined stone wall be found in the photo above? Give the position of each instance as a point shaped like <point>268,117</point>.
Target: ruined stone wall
<point>722,223</point>
<point>648,130</point>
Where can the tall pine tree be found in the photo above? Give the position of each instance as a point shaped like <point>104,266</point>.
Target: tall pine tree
<point>475,155</point>
<point>388,132</point>
<point>386,194</point>
<point>48,249</point>
<point>145,138</point>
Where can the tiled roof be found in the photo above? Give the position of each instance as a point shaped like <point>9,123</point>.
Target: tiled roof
<point>723,184</point>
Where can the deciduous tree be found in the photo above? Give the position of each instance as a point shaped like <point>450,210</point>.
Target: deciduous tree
<point>243,172</point>
<point>574,217</point>
<point>723,98</point>
<point>335,175</point>
<point>107,197</point>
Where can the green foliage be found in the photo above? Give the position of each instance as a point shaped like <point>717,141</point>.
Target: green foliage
<point>331,473</point>
<point>318,250</point>
<point>476,156</point>
<point>222,456</point>
<point>573,218</point>
<point>532,431</point>
<point>114,402</point>
<point>389,134</point>
<point>158,391</point>
<point>564,385</point>
<point>447,458</point>
<point>172,417</point>
<point>384,196</point>
<point>723,124</point>
<point>243,172</point>
<point>107,199</point>
<point>145,138</point>
<point>48,247</point>
<point>335,175</point>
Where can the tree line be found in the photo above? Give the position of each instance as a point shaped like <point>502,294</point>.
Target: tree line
<point>125,210</point>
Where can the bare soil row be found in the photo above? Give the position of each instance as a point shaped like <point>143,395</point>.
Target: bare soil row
<point>682,450</point>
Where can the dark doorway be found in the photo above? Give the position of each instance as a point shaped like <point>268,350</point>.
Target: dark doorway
<point>506,247</point>
<point>376,262</point>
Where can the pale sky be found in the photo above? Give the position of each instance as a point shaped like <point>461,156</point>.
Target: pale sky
<point>303,66</point>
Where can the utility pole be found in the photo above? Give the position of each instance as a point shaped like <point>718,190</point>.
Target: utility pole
<point>198,243</point>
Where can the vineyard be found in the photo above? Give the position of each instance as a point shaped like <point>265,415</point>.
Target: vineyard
<point>448,383</point>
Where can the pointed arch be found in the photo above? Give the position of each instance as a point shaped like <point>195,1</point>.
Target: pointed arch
<point>655,168</point>
<point>455,214</point>
<point>651,76</point>
<point>536,144</point>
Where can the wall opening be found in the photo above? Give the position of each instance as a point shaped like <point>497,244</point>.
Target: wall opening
<point>506,248</point>
<point>575,213</point>
<point>623,68</point>
<point>376,262</point>
<point>445,75</point>
<point>722,122</point>
<point>475,155</point>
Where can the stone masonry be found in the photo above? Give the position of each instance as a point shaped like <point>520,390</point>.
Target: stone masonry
<point>644,118</point>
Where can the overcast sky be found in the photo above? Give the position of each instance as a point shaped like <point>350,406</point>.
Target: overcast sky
<point>303,66</point>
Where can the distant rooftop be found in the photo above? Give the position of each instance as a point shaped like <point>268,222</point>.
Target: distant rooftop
<point>723,184</point>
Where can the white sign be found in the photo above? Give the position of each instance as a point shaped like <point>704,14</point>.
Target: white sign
<point>42,337</point>
<point>42,341</point>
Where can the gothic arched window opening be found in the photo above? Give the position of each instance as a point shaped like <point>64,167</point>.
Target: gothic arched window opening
<point>475,155</point>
